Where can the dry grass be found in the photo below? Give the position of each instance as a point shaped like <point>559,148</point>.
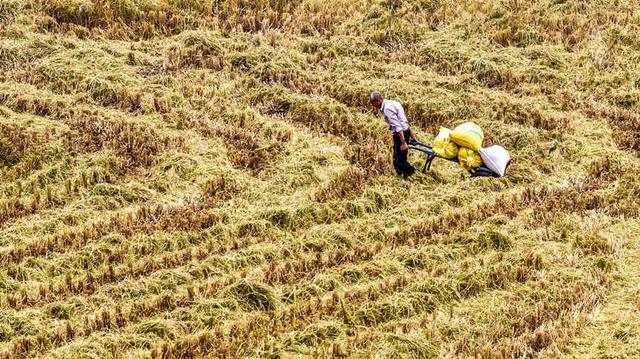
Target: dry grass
<point>207,179</point>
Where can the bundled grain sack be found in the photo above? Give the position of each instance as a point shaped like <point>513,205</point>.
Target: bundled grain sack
<point>469,159</point>
<point>496,158</point>
<point>468,135</point>
<point>443,146</point>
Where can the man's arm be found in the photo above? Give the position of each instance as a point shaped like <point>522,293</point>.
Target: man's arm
<point>402,117</point>
<point>403,146</point>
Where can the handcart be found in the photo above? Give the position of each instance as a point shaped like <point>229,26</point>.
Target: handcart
<point>427,149</point>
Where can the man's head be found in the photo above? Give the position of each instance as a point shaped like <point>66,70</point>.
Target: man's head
<point>376,99</point>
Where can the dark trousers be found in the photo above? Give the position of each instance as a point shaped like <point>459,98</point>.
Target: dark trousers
<point>400,163</point>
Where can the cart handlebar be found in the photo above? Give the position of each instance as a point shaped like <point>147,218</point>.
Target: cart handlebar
<point>420,144</point>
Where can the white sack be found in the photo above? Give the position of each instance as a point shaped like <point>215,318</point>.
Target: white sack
<point>496,158</point>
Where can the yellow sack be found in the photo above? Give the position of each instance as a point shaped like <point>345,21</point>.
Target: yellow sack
<point>443,146</point>
<point>469,159</point>
<point>468,135</point>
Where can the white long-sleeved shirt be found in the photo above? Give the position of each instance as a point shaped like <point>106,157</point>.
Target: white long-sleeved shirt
<point>394,115</point>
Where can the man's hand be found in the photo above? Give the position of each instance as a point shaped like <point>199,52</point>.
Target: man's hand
<point>404,146</point>
<point>413,135</point>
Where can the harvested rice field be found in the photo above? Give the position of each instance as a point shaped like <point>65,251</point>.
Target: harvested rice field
<point>190,179</point>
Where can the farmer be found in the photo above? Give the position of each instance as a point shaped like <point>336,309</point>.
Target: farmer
<point>399,126</point>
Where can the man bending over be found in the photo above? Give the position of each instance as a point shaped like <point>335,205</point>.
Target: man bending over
<point>399,127</point>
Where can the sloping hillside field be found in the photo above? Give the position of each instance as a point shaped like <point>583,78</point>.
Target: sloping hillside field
<point>183,178</point>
